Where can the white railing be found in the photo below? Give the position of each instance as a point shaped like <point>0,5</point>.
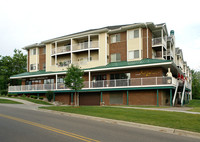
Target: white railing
<point>64,63</point>
<point>158,41</point>
<point>169,52</point>
<point>133,82</point>
<point>84,62</point>
<point>85,45</point>
<point>63,49</point>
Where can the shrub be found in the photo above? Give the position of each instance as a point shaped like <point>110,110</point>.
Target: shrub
<point>41,98</point>
<point>23,95</point>
<point>34,97</point>
<point>49,95</point>
<point>4,92</point>
<point>10,95</point>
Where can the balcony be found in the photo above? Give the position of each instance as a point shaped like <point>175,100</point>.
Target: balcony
<point>103,84</point>
<point>85,45</point>
<point>64,63</point>
<point>158,42</point>
<point>169,53</point>
<point>61,50</point>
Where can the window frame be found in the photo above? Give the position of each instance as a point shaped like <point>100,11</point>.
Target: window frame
<point>132,57</point>
<point>115,38</point>
<point>132,34</point>
<point>115,56</point>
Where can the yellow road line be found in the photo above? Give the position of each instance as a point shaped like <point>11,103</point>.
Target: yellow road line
<point>86,139</point>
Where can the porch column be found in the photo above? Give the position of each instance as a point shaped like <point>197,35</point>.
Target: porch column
<point>170,97</point>
<point>157,97</point>
<point>127,101</point>
<point>162,41</point>
<point>89,78</point>
<point>89,48</point>
<point>56,54</point>
<point>72,98</point>
<point>38,95</point>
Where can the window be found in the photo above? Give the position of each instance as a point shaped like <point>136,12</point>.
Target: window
<point>133,54</point>
<point>44,50</point>
<point>33,66</point>
<point>115,38</point>
<point>33,51</point>
<point>49,81</point>
<point>115,57</point>
<point>120,76</point>
<point>133,34</point>
<point>60,80</point>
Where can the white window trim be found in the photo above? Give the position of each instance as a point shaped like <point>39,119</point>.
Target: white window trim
<point>133,57</point>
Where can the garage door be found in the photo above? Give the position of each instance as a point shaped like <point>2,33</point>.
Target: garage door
<point>89,98</point>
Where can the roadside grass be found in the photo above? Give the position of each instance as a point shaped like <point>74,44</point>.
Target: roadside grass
<point>34,100</point>
<point>195,104</point>
<point>146,106</point>
<point>177,120</point>
<point>5,101</point>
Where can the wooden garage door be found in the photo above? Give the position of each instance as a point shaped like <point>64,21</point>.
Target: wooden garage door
<point>89,98</point>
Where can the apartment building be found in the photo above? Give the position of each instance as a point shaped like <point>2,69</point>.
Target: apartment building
<point>133,64</point>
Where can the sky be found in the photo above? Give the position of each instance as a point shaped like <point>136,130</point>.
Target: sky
<point>25,22</point>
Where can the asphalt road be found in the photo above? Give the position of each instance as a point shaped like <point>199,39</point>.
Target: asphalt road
<point>26,125</point>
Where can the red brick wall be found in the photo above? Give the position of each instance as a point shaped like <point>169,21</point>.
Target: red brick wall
<point>42,58</point>
<point>64,98</point>
<point>143,97</point>
<point>144,37</point>
<point>119,47</point>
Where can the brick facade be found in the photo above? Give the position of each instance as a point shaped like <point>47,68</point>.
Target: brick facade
<point>144,37</point>
<point>42,58</point>
<point>119,47</point>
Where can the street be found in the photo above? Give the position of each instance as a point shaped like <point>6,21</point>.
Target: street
<point>29,125</point>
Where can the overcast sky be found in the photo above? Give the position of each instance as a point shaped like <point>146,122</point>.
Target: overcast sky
<point>24,22</point>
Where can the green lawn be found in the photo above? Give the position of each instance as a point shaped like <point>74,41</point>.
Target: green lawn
<point>34,100</point>
<point>145,106</point>
<point>5,101</point>
<point>176,120</point>
<point>195,104</point>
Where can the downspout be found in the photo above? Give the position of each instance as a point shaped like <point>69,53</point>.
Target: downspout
<point>147,41</point>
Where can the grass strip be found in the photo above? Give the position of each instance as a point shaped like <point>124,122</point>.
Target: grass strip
<point>195,104</point>
<point>177,120</point>
<point>5,101</point>
<point>34,100</point>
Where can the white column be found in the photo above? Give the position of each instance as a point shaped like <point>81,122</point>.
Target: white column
<point>88,47</point>
<point>89,78</point>
<point>162,41</point>
<point>140,47</point>
<point>50,54</point>
<point>71,51</point>
<point>147,43</point>
<point>56,53</point>
<point>36,59</point>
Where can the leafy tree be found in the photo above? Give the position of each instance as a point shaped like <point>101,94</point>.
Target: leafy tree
<point>74,78</point>
<point>195,84</point>
<point>10,66</point>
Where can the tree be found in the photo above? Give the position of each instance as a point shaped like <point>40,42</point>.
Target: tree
<point>74,79</point>
<point>195,84</point>
<point>10,66</point>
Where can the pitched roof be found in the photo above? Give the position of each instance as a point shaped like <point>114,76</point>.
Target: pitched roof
<point>110,65</point>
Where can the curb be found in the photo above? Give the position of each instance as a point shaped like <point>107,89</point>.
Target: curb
<point>130,124</point>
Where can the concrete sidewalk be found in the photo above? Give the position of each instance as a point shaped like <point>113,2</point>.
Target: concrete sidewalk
<point>25,105</point>
<point>171,109</point>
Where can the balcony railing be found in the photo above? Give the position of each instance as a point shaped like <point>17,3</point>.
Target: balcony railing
<point>133,82</point>
<point>169,53</point>
<point>84,62</point>
<point>85,45</point>
<point>61,49</point>
<point>158,41</point>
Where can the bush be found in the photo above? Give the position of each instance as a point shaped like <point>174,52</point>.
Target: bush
<point>49,95</point>
<point>24,95</point>
<point>10,95</point>
<point>33,96</point>
<point>41,98</point>
<point>4,92</point>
